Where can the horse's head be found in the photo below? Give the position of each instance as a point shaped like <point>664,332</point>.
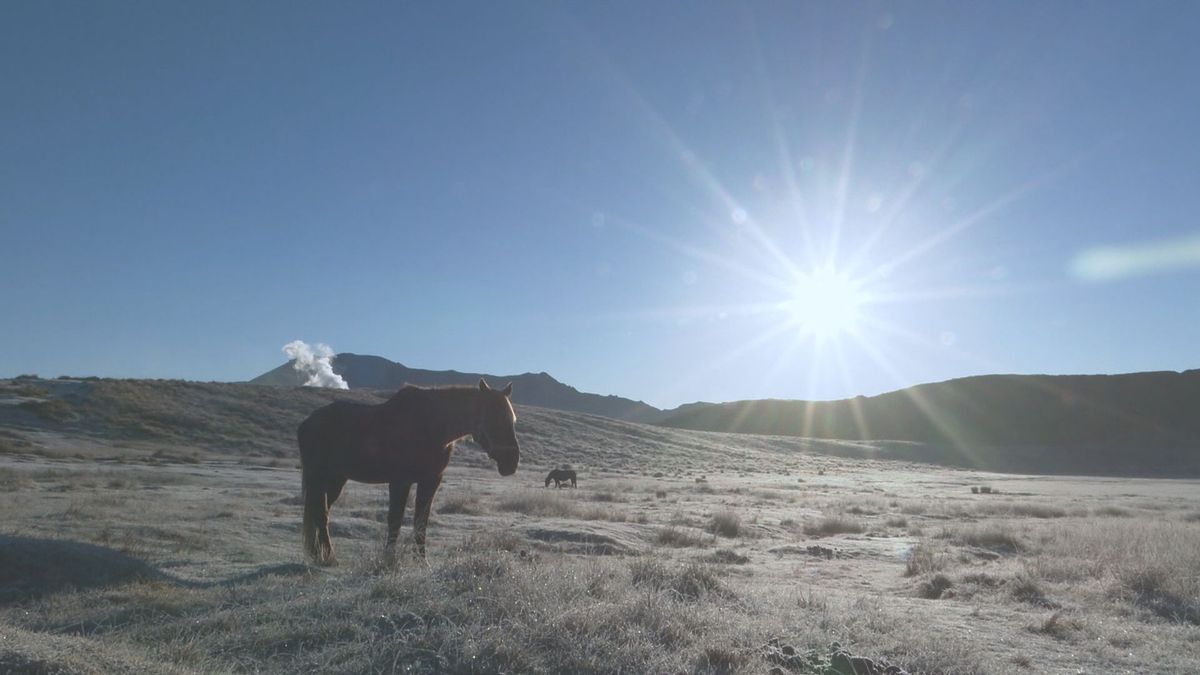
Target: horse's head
<point>495,431</point>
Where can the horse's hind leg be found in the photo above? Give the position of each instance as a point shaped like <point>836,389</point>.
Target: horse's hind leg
<point>316,521</point>
<point>333,490</point>
<point>397,500</point>
<point>425,492</point>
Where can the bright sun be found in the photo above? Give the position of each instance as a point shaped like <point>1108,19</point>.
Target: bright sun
<point>826,304</point>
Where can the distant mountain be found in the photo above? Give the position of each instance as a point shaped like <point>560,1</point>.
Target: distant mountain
<point>1112,423</point>
<point>536,389</point>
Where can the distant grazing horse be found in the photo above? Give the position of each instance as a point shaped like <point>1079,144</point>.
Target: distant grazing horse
<point>405,440</point>
<point>560,476</point>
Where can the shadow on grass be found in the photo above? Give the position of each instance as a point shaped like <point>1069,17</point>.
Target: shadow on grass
<point>31,567</point>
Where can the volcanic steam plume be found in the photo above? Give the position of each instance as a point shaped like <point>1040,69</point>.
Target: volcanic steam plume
<point>315,363</point>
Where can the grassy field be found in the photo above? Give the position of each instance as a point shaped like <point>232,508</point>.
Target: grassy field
<point>177,551</point>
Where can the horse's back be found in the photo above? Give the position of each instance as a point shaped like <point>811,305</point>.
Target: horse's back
<point>330,425</point>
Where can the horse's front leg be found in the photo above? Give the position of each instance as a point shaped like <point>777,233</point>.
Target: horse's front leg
<point>397,500</point>
<point>426,489</point>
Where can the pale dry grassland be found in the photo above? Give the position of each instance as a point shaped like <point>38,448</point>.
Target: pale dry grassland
<point>196,568</point>
<point>680,552</point>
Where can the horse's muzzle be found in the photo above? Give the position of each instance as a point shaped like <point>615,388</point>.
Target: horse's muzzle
<point>506,463</point>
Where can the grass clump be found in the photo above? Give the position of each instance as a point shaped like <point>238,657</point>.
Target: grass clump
<point>1039,511</point>
<point>831,525</point>
<point>53,410</point>
<point>726,524</point>
<point>1025,588</point>
<point>993,537</point>
<point>460,503</point>
<point>925,559</point>
<point>1158,590</point>
<point>1147,563</point>
<point>544,504</point>
<point>606,497</point>
<point>690,582</point>
<point>934,587</point>
<point>679,537</point>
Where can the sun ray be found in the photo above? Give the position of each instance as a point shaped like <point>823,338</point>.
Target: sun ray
<point>922,341</point>
<point>702,254</point>
<point>932,414</point>
<point>693,167</point>
<point>783,149</point>
<point>915,183</point>
<point>986,211</point>
<point>689,312</point>
<point>953,293</point>
<point>701,372</point>
<point>860,420</point>
<point>842,191</point>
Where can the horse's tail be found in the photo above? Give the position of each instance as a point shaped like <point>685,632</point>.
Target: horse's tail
<point>310,495</point>
<point>316,517</point>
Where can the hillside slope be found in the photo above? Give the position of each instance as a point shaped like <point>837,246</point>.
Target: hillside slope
<point>1139,423</point>
<point>538,389</point>
<point>210,420</point>
<point>243,421</point>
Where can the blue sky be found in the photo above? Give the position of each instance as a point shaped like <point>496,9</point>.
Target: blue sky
<point>629,196</point>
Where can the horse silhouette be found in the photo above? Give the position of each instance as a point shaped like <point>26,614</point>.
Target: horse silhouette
<point>561,476</point>
<point>404,440</point>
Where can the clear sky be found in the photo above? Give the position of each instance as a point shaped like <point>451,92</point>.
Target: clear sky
<point>665,201</point>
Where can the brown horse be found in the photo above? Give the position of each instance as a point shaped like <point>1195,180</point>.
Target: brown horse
<point>405,440</point>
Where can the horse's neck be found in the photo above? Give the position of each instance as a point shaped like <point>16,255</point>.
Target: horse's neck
<point>457,413</point>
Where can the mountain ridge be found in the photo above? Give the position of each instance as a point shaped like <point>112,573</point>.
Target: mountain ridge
<point>1111,421</point>
<point>535,389</point>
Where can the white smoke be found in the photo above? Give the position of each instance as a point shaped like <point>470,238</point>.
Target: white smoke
<point>316,363</point>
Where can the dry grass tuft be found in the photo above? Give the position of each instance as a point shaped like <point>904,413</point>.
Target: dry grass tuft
<point>993,536</point>
<point>680,537</point>
<point>1149,563</point>
<point>544,504</point>
<point>924,558</point>
<point>726,523</point>
<point>934,587</point>
<point>690,582</point>
<point>606,497</point>
<point>459,503</point>
<point>831,525</point>
<point>1026,588</point>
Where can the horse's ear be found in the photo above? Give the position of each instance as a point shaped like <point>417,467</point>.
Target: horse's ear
<point>508,390</point>
<point>483,385</point>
